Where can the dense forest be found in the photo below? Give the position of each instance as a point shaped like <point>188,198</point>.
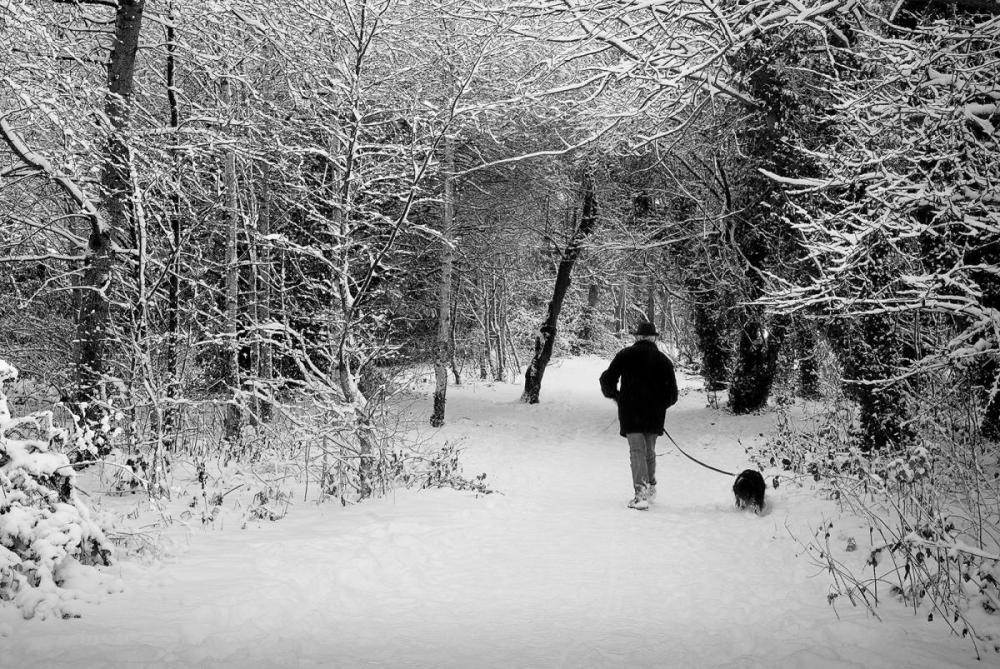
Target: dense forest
<point>236,230</point>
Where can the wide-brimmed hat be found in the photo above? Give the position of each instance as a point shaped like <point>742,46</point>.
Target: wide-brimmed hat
<point>646,330</point>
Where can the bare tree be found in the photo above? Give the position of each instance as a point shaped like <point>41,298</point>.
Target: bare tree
<point>545,340</point>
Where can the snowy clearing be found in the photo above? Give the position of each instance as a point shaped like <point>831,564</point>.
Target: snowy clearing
<point>552,571</point>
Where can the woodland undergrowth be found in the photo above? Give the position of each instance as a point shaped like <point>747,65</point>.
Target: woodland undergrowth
<point>315,449</point>
<point>928,512</point>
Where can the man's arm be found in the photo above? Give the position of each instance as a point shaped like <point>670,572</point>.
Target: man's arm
<point>671,385</point>
<point>609,379</point>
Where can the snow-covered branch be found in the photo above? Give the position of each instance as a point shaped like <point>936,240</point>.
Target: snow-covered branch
<point>38,162</point>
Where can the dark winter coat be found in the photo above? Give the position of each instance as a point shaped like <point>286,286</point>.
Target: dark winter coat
<point>648,387</point>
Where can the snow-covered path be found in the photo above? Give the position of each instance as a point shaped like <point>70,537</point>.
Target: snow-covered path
<point>553,572</point>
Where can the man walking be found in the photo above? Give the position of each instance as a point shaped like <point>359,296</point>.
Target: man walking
<point>648,388</point>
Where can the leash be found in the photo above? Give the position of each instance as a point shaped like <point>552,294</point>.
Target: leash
<point>714,469</point>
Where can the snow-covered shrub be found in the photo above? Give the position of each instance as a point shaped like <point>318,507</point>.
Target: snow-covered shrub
<point>46,533</point>
<point>444,470</point>
<point>932,511</point>
<point>93,432</point>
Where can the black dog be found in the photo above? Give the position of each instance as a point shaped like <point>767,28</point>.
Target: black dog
<point>749,490</point>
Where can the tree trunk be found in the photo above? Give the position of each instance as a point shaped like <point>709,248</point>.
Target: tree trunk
<point>756,363</point>
<point>447,262</point>
<point>509,341</point>
<point>265,355</point>
<point>805,357</point>
<point>588,328</point>
<point>760,341</point>
<point>712,329</point>
<point>662,323</point>
<point>547,333</point>
<point>452,346</point>
<point>95,304</point>
<point>499,369</point>
<point>251,368</point>
<point>621,308</point>
<point>869,351</point>
<point>173,339</point>
<point>986,370</point>
<point>487,334</point>
<point>499,319</point>
<point>650,300</point>
<point>231,422</point>
<point>143,367</point>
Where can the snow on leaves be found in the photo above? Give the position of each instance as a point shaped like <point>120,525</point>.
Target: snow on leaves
<point>47,537</point>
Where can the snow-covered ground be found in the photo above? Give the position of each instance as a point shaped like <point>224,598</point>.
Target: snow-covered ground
<point>553,571</point>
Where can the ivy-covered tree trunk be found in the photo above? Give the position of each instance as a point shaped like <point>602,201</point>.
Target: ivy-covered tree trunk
<point>711,327</point>
<point>756,365</point>
<point>869,349</point>
<point>760,341</point>
<point>875,360</point>
<point>547,333</point>
<point>807,364</point>
<point>781,74</point>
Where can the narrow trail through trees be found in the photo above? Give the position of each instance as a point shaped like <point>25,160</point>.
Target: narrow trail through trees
<point>551,571</point>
